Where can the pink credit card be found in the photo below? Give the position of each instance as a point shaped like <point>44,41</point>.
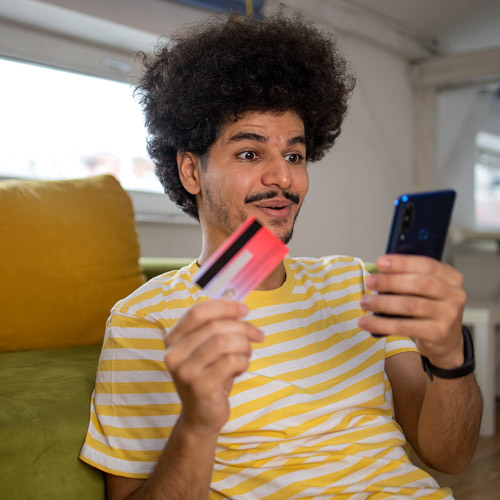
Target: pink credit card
<point>242,262</point>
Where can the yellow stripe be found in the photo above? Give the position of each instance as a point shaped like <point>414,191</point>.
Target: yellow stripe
<point>138,388</point>
<point>134,343</point>
<point>119,321</point>
<point>128,455</point>
<point>125,365</point>
<point>110,470</point>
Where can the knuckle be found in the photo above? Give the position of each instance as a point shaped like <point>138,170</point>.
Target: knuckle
<point>238,362</point>
<point>461,296</point>
<point>183,373</point>
<point>417,307</point>
<point>441,331</point>
<point>219,342</point>
<point>193,314</point>
<point>170,360</point>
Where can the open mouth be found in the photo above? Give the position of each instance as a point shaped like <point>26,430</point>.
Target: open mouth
<point>275,210</point>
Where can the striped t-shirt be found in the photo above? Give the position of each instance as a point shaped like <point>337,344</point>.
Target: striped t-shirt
<point>311,418</point>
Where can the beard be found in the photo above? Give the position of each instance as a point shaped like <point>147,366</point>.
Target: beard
<point>222,211</point>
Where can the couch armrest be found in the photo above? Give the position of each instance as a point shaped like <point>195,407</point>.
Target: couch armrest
<point>153,266</point>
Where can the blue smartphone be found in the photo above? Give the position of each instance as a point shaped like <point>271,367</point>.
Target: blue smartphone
<point>420,223</point>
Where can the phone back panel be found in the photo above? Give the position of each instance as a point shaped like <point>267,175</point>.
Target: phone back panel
<point>421,222</point>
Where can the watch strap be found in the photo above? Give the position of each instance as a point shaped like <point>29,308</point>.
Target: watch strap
<point>468,366</point>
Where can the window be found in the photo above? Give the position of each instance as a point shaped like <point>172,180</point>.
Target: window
<point>57,124</point>
<point>67,110</point>
<point>487,180</point>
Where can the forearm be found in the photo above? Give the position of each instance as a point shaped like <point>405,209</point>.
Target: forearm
<point>184,470</point>
<point>449,423</point>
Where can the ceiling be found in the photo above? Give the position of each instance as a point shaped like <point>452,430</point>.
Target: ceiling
<point>454,25</point>
<point>438,27</point>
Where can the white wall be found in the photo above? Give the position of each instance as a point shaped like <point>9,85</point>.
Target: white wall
<point>350,202</point>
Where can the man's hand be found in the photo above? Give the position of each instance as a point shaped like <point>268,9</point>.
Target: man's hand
<point>206,350</point>
<point>427,298</point>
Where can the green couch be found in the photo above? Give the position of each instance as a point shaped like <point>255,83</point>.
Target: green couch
<point>69,252</point>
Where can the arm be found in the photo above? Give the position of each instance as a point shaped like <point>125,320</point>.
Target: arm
<point>206,350</point>
<point>441,418</point>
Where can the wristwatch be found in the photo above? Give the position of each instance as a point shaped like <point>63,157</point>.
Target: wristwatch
<point>468,366</point>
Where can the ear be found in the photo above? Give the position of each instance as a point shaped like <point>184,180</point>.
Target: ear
<point>188,165</point>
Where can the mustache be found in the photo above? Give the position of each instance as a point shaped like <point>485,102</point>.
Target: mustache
<point>268,195</point>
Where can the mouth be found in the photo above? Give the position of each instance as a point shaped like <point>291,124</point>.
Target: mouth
<point>277,208</point>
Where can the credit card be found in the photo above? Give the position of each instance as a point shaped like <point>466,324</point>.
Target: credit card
<point>242,262</point>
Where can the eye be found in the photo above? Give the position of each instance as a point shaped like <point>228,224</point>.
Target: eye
<point>294,158</point>
<point>248,155</point>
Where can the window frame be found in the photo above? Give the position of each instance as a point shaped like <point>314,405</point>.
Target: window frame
<point>36,46</point>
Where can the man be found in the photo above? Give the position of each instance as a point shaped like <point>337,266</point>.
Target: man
<point>287,395</point>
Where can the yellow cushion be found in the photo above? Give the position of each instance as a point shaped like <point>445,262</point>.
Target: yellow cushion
<point>69,251</point>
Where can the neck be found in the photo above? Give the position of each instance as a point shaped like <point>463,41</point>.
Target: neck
<point>275,279</point>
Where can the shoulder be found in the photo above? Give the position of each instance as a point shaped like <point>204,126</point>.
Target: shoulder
<point>173,286</point>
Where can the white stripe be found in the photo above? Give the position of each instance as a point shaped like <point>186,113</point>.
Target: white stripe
<point>128,354</point>
<point>148,398</point>
<point>117,464</point>
<point>127,444</point>
<point>138,422</point>
<point>133,376</point>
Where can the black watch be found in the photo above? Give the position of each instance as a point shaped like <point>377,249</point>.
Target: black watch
<point>468,366</point>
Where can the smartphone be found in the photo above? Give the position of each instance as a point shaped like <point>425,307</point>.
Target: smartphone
<point>420,223</point>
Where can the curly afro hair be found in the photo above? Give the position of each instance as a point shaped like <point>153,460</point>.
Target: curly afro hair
<point>229,65</point>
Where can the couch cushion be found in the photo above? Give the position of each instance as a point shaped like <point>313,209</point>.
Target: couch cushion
<point>69,251</point>
<point>44,414</point>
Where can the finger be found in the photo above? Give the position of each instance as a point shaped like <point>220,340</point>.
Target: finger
<point>409,284</point>
<point>216,339</point>
<point>403,305</point>
<point>204,360</point>
<point>399,326</point>
<point>228,367</point>
<point>203,313</point>
<point>418,264</point>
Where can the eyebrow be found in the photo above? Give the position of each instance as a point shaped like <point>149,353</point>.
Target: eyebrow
<point>241,136</point>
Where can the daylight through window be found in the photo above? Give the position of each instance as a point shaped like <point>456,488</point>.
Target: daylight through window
<point>58,124</point>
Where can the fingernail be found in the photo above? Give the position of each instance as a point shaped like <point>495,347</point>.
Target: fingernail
<point>362,322</point>
<point>365,300</point>
<point>370,281</point>
<point>383,263</point>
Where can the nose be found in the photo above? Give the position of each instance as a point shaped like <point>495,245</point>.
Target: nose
<point>277,173</point>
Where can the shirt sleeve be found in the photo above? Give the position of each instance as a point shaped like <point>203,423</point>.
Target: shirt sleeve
<point>134,405</point>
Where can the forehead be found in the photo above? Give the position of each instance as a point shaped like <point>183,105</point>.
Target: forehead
<point>271,125</point>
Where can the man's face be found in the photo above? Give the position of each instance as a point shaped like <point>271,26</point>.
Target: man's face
<point>256,167</point>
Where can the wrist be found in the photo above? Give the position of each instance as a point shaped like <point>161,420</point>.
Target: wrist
<point>467,366</point>
<point>453,358</point>
<point>195,431</point>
